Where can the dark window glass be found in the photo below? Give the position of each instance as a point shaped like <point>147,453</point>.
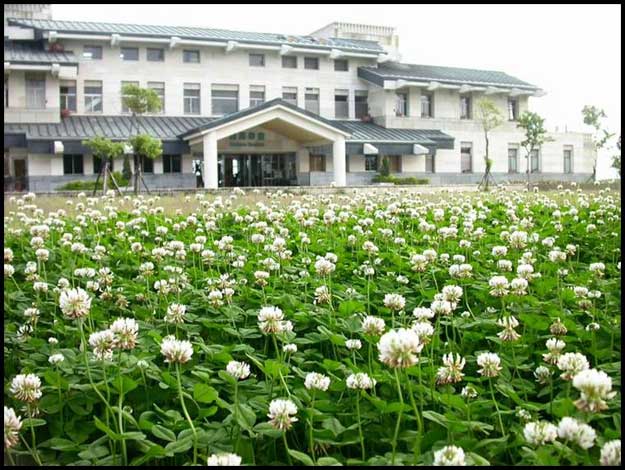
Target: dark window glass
<point>156,54</point>
<point>257,60</point>
<point>513,160</point>
<point>567,161</point>
<point>68,97</point>
<point>147,164</point>
<point>371,163</point>
<point>172,163</point>
<point>426,105</point>
<point>225,102</point>
<point>465,107</point>
<point>401,107</point>
<point>534,161</point>
<point>429,163</point>
<point>92,52</point>
<point>97,164</point>
<point>466,158</point>
<point>311,63</point>
<point>341,65</point>
<point>512,109</point>
<point>289,62</point>
<point>72,164</point>
<point>130,53</point>
<point>191,56</point>
<point>362,107</point>
<point>341,106</point>
<point>317,162</point>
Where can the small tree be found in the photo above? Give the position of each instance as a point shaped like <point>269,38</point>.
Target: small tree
<point>145,146</point>
<point>106,150</point>
<point>139,101</point>
<point>385,168</point>
<point>616,159</point>
<point>489,117</point>
<point>535,135</point>
<point>592,117</point>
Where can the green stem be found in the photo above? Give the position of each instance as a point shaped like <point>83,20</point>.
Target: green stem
<point>58,373</point>
<point>401,400</point>
<point>492,393</point>
<point>186,414</point>
<point>34,452</point>
<point>286,447</point>
<point>417,416</point>
<point>311,441</point>
<point>362,440</point>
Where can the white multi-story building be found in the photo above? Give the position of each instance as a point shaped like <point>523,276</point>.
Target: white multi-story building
<point>256,109</point>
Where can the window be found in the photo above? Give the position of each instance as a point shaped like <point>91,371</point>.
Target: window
<point>289,94</point>
<point>427,110</point>
<point>68,95</point>
<point>512,109</point>
<point>568,160</point>
<point>362,106</point>
<point>172,164</point>
<point>289,62</point>
<point>429,163</point>
<point>317,162</point>
<point>124,107</point>
<point>72,164</point>
<point>257,95</point>
<point>147,165</point>
<point>311,63</point>
<point>257,60</point>
<point>341,105</point>
<point>159,88</point>
<point>513,160</point>
<point>341,65</point>
<point>401,105</point>
<point>129,53</point>
<point>93,96</point>
<point>35,90</point>
<point>6,91</point>
<point>191,56</point>
<point>97,164</point>
<point>465,107</point>
<point>466,157</point>
<point>92,52</point>
<point>191,98</point>
<point>311,98</point>
<point>535,161</point>
<point>155,54</point>
<point>371,163</point>
<point>225,99</point>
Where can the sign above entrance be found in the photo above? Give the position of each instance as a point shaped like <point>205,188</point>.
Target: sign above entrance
<point>247,139</point>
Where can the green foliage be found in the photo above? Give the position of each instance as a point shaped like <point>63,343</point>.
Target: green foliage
<point>399,179</point>
<point>385,169</point>
<point>146,146</point>
<point>593,117</point>
<point>104,148</point>
<point>126,171</point>
<point>89,185</point>
<point>616,159</point>
<point>140,100</point>
<point>488,114</point>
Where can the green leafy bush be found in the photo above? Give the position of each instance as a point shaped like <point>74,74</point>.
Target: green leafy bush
<point>90,184</point>
<point>400,180</point>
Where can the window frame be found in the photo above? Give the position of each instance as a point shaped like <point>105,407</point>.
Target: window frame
<point>97,164</point>
<point>516,160</point>
<point>262,62</point>
<point>190,99</point>
<point>185,56</point>
<point>150,169</point>
<point>357,109</point>
<point>294,57</point>
<point>6,91</point>
<point>342,94</point>
<point>73,164</point>
<point>430,157</point>
<point>92,46</point>
<point>169,163</point>
<point>401,101</point>
<point>514,110</point>
<point>223,100</point>
<point>308,59</point>
<point>430,102</point>
<point>568,149</point>
<point>319,160</point>
<point>150,85</point>
<point>129,48</point>
<point>531,157</point>
<point>147,54</point>
<point>373,158</point>
<point>291,90</point>
<point>37,100</point>
<point>91,96</point>
<point>255,101</point>
<point>121,94</point>
<point>312,92</point>
<point>340,61</point>
<point>465,145</point>
<point>469,107</point>
<point>65,97</point>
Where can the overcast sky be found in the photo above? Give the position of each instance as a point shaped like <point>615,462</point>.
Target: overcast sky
<point>573,52</point>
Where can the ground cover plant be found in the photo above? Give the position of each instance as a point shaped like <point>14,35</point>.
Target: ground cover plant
<point>364,327</point>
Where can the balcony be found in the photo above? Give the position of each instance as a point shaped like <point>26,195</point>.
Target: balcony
<point>14,114</point>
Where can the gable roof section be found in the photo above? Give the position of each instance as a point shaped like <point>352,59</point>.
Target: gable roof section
<point>186,32</point>
<point>367,132</point>
<point>18,53</point>
<point>453,75</point>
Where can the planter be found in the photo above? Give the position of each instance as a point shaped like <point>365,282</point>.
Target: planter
<point>65,113</point>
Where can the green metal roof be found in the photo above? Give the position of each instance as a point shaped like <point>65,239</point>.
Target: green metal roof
<point>453,75</point>
<point>368,132</point>
<point>185,32</point>
<point>18,53</point>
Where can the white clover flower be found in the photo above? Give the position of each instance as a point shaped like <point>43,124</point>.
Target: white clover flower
<point>441,307</point>
<point>518,239</point>
<point>280,411</point>
<point>373,326</point>
<point>238,370</point>
<point>595,387</point>
<point>102,343</point>
<point>611,453</point>
<point>558,328</point>
<point>53,340</point>
<point>468,392</point>
<point>224,460</point>
<point>353,344</point>
<point>126,331</point>
<point>540,432</point>
<point>270,320</point>
<point>570,429</point>
<point>289,348</point>
<point>451,372</point>
<point>40,286</point>
<point>489,363</point>
<point>26,387</point>
<point>360,381</point>
<point>323,267</point>
<point>316,381</point>
<point>9,270</point>
<point>399,348</point>
<point>12,425</point>
<point>519,286</point>
<point>176,351</point>
<point>394,302</point>
<point>571,364</point>
<point>75,303</point>
<point>499,286</point>
<point>55,359</point>
<point>452,293</point>
<point>449,456</point>
<point>597,268</point>
<point>555,347</point>
<point>525,270</point>
<point>542,374</point>
<point>423,313</point>
<point>175,313</point>
<point>508,324</point>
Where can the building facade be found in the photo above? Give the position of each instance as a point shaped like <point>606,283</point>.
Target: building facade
<point>257,109</point>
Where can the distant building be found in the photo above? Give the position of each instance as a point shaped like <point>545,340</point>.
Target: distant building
<point>256,109</point>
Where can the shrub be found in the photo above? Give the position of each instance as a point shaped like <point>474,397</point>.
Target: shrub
<point>88,185</point>
<point>400,180</point>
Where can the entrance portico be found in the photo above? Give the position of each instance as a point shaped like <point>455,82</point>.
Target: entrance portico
<point>277,116</point>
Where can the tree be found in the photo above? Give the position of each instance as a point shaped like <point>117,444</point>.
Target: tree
<point>145,146</point>
<point>592,117</point>
<point>489,117</point>
<point>385,169</point>
<point>535,135</point>
<point>616,159</point>
<point>106,150</point>
<point>139,101</point>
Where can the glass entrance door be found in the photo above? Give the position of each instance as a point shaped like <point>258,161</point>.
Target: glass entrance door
<point>275,169</point>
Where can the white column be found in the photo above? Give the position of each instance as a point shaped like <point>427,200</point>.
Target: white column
<point>211,177</point>
<point>338,160</point>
